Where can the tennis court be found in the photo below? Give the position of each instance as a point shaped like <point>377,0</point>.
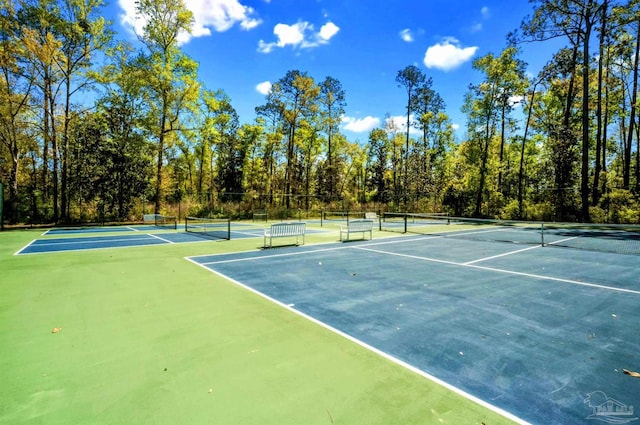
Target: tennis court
<point>91,238</point>
<point>541,334</point>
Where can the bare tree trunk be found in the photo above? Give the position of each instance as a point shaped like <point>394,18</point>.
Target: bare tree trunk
<point>626,177</point>
<point>584,185</point>
<point>522,151</point>
<point>595,196</point>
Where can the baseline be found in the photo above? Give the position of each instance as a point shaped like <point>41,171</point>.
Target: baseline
<point>432,378</point>
<point>43,246</point>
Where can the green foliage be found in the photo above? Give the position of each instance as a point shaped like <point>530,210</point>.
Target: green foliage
<point>622,206</point>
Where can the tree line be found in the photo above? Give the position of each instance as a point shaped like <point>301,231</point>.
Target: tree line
<point>561,145</point>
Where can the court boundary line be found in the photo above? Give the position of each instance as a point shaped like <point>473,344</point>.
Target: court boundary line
<point>369,347</point>
<point>504,254</point>
<point>248,234</point>
<point>82,249</point>
<point>158,237</point>
<point>261,257</point>
<point>19,252</point>
<point>504,271</point>
<point>75,241</point>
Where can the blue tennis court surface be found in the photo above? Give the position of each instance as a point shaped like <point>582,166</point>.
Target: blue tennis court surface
<point>543,333</point>
<point>89,238</point>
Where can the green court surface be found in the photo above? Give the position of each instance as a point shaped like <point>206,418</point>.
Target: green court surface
<point>144,337</point>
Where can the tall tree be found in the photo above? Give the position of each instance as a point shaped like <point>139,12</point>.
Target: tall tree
<point>574,19</point>
<point>296,95</point>
<point>504,77</point>
<point>626,178</point>
<point>83,32</point>
<point>40,24</point>
<point>377,167</point>
<point>332,108</point>
<point>224,123</point>
<point>411,78</point>
<point>16,91</point>
<point>170,74</point>
<point>270,115</point>
<point>428,107</point>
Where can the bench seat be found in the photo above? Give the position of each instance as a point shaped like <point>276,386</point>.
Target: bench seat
<point>284,230</point>
<point>357,226</point>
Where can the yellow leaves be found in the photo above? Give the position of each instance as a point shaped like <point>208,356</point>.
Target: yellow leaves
<point>45,48</point>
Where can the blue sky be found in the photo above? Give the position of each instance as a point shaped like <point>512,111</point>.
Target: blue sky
<point>243,46</point>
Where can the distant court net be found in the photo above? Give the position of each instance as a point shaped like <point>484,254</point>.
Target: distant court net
<point>165,221</point>
<point>335,215</point>
<point>215,228</point>
<point>612,238</point>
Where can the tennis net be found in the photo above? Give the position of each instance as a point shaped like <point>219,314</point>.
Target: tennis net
<point>215,228</point>
<point>612,238</point>
<point>335,215</point>
<point>164,221</point>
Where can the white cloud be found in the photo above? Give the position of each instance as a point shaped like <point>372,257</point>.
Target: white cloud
<point>219,15</point>
<point>300,35</point>
<point>290,34</point>
<point>328,30</point>
<point>399,124</point>
<point>448,54</point>
<point>455,127</point>
<point>406,35</point>
<point>485,12</point>
<point>476,28</point>
<point>128,17</point>
<point>360,125</point>
<point>515,101</point>
<point>264,87</point>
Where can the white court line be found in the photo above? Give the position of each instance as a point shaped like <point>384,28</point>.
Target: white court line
<point>158,237</point>
<point>561,240</point>
<point>511,272</point>
<point>371,348</point>
<point>132,228</point>
<point>501,255</point>
<point>264,257</point>
<point>78,241</point>
<point>255,235</point>
<point>25,247</point>
<point>63,251</point>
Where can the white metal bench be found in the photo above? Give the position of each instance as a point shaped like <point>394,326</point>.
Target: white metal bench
<point>284,230</point>
<point>260,215</point>
<point>357,226</point>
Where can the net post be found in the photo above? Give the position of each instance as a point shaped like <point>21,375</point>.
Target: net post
<point>229,230</point>
<point>405,222</point>
<point>321,217</point>
<point>542,233</point>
